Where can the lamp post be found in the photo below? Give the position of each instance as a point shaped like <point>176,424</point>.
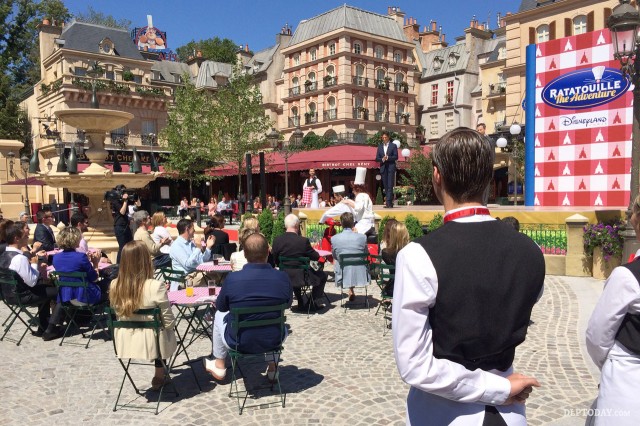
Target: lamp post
<point>624,23</point>
<point>286,150</point>
<point>501,143</point>
<point>24,165</point>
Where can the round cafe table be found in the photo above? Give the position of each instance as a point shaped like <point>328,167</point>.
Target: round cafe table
<point>210,267</point>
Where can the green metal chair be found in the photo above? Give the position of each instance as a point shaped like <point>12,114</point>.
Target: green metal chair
<point>299,264</point>
<point>9,280</point>
<point>78,280</point>
<point>170,275</point>
<point>155,324</point>
<point>386,273</point>
<point>240,320</point>
<point>349,260</point>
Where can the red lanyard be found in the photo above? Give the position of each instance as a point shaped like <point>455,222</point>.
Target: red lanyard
<point>472,211</point>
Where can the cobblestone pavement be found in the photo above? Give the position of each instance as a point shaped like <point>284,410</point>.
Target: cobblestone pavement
<point>337,368</point>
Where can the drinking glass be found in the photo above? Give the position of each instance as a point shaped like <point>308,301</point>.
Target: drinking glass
<point>211,285</point>
<point>189,288</point>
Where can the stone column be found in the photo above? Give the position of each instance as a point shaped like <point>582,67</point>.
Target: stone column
<point>578,264</point>
<point>303,224</point>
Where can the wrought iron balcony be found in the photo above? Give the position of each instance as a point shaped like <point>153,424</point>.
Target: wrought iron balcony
<point>361,81</point>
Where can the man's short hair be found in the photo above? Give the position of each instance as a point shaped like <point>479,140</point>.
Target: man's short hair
<point>14,233</point>
<point>291,221</point>
<point>256,248</point>
<point>40,215</point>
<point>183,225</point>
<point>347,221</point>
<point>484,126</point>
<point>464,159</point>
<point>512,221</point>
<point>385,132</point>
<point>140,216</point>
<point>78,218</point>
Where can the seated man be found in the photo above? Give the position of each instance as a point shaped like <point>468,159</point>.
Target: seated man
<point>225,208</point>
<point>290,244</point>
<point>349,242</point>
<point>257,284</point>
<point>44,233</point>
<point>187,252</point>
<point>28,289</point>
<point>79,220</point>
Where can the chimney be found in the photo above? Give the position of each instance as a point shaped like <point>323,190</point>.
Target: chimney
<point>48,35</point>
<point>397,14</point>
<point>243,54</point>
<point>434,26</point>
<point>284,36</point>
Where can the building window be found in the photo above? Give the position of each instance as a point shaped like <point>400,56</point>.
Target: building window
<point>332,49</point>
<point>296,60</point>
<point>448,121</point>
<point>433,125</point>
<point>453,59</point>
<point>80,71</point>
<point>148,127</point>
<point>330,71</point>
<point>110,75</point>
<point>434,94</point>
<point>379,52</point>
<point>437,63</point>
<point>313,54</point>
<point>137,79</point>
<point>357,48</point>
<point>579,25</point>
<point>397,57</point>
<point>449,95</point>
<point>502,52</point>
<point>542,33</point>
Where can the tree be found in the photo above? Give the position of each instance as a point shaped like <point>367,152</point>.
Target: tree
<point>376,139</point>
<point>240,124</point>
<point>278,227</point>
<point>213,49</point>
<point>55,10</point>
<point>312,141</point>
<point>189,134</point>
<point>419,173</point>
<point>92,16</point>
<point>413,226</point>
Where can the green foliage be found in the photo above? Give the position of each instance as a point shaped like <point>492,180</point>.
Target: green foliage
<point>413,226</point>
<point>312,141</point>
<point>127,75</point>
<point>239,123</point>
<point>190,133</point>
<point>55,10</point>
<point>220,195</point>
<point>265,219</point>
<point>418,175</point>
<point>383,223</point>
<point>376,139</point>
<point>278,227</point>
<point>94,17</point>
<point>435,223</point>
<point>379,197</point>
<point>605,235</point>
<point>213,49</point>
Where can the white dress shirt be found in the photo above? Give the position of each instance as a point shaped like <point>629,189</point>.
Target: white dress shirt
<point>442,392</point>
<point>28,272</point>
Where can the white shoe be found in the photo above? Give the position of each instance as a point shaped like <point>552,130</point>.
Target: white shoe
<point>210,366</point>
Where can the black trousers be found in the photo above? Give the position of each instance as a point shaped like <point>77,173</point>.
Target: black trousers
<point>387,182</point>
<point>123,235</point>
<point>43,295</point>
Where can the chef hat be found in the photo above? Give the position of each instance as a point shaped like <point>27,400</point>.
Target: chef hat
<point>361,174</point>
<point>338,189</point>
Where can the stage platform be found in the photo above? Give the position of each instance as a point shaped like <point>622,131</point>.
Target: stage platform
<point>524,214</point>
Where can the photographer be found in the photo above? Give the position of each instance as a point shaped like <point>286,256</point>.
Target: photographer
<point>120,201</point>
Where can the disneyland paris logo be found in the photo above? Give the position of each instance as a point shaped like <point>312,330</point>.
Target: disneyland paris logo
<point>585,88</point>
<point>567,121</point>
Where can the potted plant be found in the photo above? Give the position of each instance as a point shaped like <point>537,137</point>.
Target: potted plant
<point>405,117</point>
<point>404,86</point>
<point>420,130</point>
<point>308,83</point>
<point>604,243</point>
<point>127,75</point>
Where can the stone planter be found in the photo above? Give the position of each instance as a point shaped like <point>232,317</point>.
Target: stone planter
<point>602,268</point>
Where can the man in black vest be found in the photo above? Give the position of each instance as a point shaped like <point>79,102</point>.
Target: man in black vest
<point>463,298</point>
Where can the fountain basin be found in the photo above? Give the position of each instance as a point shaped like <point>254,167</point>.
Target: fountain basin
<point>93,120</point>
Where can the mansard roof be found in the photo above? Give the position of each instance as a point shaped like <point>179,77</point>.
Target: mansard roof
<point>85,37</point>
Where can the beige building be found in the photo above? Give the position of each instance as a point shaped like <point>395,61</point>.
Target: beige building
<point>537,22</point>
<point>348,73</point>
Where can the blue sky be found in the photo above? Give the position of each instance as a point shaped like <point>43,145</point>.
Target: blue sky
<point>257,22</point>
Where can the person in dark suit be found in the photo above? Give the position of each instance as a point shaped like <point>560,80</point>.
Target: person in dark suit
<point>387,155</point>
<point>290,244</point>
<point>222,238</point>
<point>257,284</point>
<point>44,233</point>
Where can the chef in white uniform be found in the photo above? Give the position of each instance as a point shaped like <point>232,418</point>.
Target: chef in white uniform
<point>343,204</point>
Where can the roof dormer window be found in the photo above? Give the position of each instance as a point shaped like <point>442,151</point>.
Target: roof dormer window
<point>106,46</point>
<point>437,63</point>
<point>453,59</point>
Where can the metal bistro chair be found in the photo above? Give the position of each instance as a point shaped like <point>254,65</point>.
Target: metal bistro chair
<point>71,309</point>
<point>170,275</point>
<point>155,324</point>
<point>291,264</point>
<point>385,274</point>
<point>350,260</point>
<point>241,320</point>
<point>17,310</point>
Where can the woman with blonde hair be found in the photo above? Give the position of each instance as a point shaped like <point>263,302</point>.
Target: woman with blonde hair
<point>396,237</point>
<point>136,289</point>
<point>160,232</point>
<point>249,226</point>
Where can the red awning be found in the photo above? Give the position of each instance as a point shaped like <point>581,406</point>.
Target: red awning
<point>125,167</point>
<point>332,157</point>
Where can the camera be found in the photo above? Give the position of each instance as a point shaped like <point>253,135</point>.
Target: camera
<point>116,194</point>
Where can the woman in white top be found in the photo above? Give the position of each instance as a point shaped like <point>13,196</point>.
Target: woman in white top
<point>249,226</point>
<point>159,222</point>
<point>614,323</point>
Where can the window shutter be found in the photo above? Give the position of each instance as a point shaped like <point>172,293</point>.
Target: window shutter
<point>552,30</point>
<point>590,22</point>
<point>568,27</point>
<point>532,35</point>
